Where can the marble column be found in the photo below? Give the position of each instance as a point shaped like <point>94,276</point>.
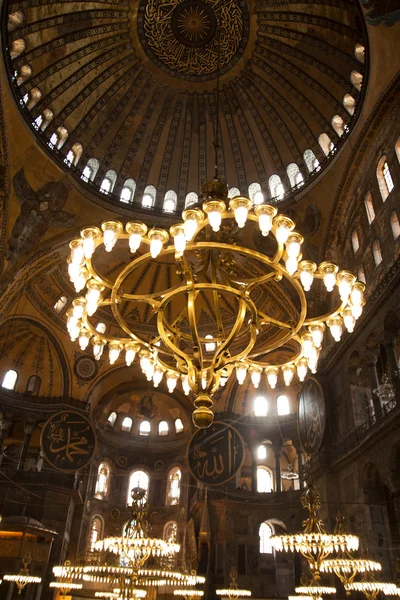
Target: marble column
<point>371,360</point>
<point>278,477</point>
<point>254,470</point>
<point>28,429</point>
<point>4,428</point>
<point>393,365</point>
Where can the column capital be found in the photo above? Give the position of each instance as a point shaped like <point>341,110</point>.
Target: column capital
<point>29,429</point>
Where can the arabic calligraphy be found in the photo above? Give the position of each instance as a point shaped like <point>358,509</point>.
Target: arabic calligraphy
<point>68,441</point>
<point>182,34</point>
<point>311,416</point>
<point>216,454</point>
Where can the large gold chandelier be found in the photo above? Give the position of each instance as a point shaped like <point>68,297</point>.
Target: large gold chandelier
<point>212,296</point>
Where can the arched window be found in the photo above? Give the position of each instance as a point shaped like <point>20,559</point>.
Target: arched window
<point>149,196</point>
<point>53,141</point>
<point>37,122</point>
<point>234,191</point>
<point>384,177</point>
<point>255,193</point>
<point>60,304</point>
<point>359,52</point>
<point>355,242</point>
<point>394,222</point>
<point>265,533</point>
<point>294,175</point>
<point>282,403</point>
<point>356,79</point>
<point>326,143</point>
<point>10,379</point>
<point>102,482</point>
<point>262,452</point>
<point>138,479</point>
<point>338,125</point>
<point>191,198</point>
<point>128,191</point>
<point>312,162</point>
<point>276,187</point>
<point>145,428</point>
<point>264,480</point>
<point>112,417</point>
<point>376,250</point>
<point>369,207</point>
<point>96,531</point>
<point>170,532</point>
<point>397,149</point>
<point>361,275</point>
<point>74,154</point>
<point>260,406</point>
<point>174,486</point>
<point>178,425</point>
<point>170,200</point>
<point>349,103</point>
<point>33,385</point>
<point>107,185</point>
<point>163,428</point>
<point>90,170</point>
<point>127,424</point>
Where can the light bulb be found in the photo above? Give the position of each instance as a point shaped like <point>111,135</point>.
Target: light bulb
<point>114,350</point>
<point>135,240</point>
<point>90,235</point>
<point>81,279</point>
<point>209,346</point>
<point>330,281</point>
<point>357,311</point>
<point>265,214</point>
<point>302,368</point>
<point>283,227</point>
<point>345,283</point>
<point>172,379</point>
<point>328,272</point>
<point>157,376</point>
<point>145,357</point>
<point>93,296</point>
<point>98,347</point>
<point>272,376</point>
<point>293,244</point>
<point>84,338</point>
<point>255,375</point>
<point>214,210</point>
<point>307,343</point>
<point>241,213</point>
<point>348,319</point>
<point>74,331</point>
<point>307,270</point>
<point>155,247</point>
<point>317,332</point>
<point>241,372</point>
<point>77,254</point>
<point>185,385</point>
<point>192,218</point>
<point>357,294</point>
<point>73,270</point>
<point>78,307</point>
<point>190,228</point>
<point>336,328</point>
<point>222,380</point>
<point>288,373</point>
<point>136,231</point>
<point>215,220</point>
<point>291,265</point>
<point>130,353</point>
<point>178,234</point>
<point>240,207</point>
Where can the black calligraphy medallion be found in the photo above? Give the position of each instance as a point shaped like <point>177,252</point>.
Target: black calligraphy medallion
<point>216,454</point>
<point>311,415</point>
<point>68,441</point>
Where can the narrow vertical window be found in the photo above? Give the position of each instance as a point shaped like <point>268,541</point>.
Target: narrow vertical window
<point>384,177</point>
<point>127,424</point>
<point>369,207</point>
<point>361,275</point>
<point>394,222</point>
<point>102,482</point>
<point>264,480</point>
<point>174,486</point>
<point>9,380</point>
<point>376,250</point>
<point>138,479</point>
<point>283,405</point>
<point>96,531</point>
<point>265,533</point>
<point>355,241</point>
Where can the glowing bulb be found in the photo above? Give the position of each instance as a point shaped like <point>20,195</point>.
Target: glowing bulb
<point>357,311</point>
<point>307,344</point>
<point>302,368</point>
<point>288,373</point>
<point>178,233</point>
<point>283,227</point>
<point>293,245</point>
<point>98,347</point>
<point>345,283</point>
<point>136,231</point>
<point>155,246</point>
<point>317,332</point>
<point>114,350</point>
<point>240,207</point>
<point>328,271</point>
<point>130,353</point>
<point>291,265</point>
<point>357,294</point>
<point>81,279</point>
<point>348,319</point>
<point>111,230</point>
<point>78,307</point>
<point>307,270</point>
<point>272,376</point>
<point>241,372</point>
<point>157,376</point>
<point>93,296</point>
<point>214,210</point>
<point>84,338</point>
<point>336,328</point>
<point>241,213</point>
<point>90,235</point>
<point>77,253</point>
<point>265,214</point>
<point>145,358</point>
<point>255,375</point>
<point>73,270</point>
<point>172,379</point>
<point>215,220</point>
<point>135,240</point>
<point>185,385</point>
<point>209,346</point>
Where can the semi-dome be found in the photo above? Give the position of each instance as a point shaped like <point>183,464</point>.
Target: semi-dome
<point>124,93</point>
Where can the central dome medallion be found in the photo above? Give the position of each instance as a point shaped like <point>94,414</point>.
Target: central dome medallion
<point>182,37</point>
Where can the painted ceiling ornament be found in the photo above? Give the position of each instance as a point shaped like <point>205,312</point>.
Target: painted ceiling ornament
<point>40,210</point>
<point>147,407</point>
<point>182,36</point>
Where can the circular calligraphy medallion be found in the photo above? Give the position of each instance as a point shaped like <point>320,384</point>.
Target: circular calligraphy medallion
<point>311,414</point>
<point>183,36</point>
<point>85,368</point>
<point>216,454</point>
<point>68,441</point>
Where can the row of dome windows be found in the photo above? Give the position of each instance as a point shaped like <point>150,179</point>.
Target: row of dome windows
<point>10,379</point>
<point>145,426</point>
<point>386,186</point>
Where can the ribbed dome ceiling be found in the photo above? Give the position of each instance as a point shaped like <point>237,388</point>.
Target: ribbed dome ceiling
<point>134,84</point>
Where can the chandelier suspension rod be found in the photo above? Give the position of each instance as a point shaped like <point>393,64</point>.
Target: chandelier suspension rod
<point>217,124</point>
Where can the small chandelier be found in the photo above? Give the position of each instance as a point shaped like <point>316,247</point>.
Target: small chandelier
<point>211,293</point>
<point>23,578</point>
<point>372,588</point>
<point>314,589</point>
<point>233,592</point>
<point>385,390</point>
<point>189,594</point>
<point>314,543</point>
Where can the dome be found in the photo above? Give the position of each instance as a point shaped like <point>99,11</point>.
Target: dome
<point>124,95</point>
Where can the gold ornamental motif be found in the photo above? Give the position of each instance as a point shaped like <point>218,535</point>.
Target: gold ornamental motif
<point>184,36</point>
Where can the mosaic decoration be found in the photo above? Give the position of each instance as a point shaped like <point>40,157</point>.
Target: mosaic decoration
<point>311,416</point>
<point>183,37</point>
<point>216,454</point>
<point>68,441</point>
<point>85,368</point>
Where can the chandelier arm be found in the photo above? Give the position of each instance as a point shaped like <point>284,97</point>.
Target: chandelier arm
<point>271,320</point>
<point>216,296</point>
<point>121,322</point>
<point>252,283</point>
<point>197,346</point>
<point>326,316</point>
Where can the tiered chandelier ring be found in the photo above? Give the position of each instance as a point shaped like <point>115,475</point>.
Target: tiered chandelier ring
<point>220,272</point>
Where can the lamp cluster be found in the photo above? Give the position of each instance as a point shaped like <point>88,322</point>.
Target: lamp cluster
<point>171,352</point>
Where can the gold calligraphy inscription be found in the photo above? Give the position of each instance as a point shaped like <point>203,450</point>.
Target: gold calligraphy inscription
<point>216,454</point>
<point>68,441</point>
<point>184,36</point>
